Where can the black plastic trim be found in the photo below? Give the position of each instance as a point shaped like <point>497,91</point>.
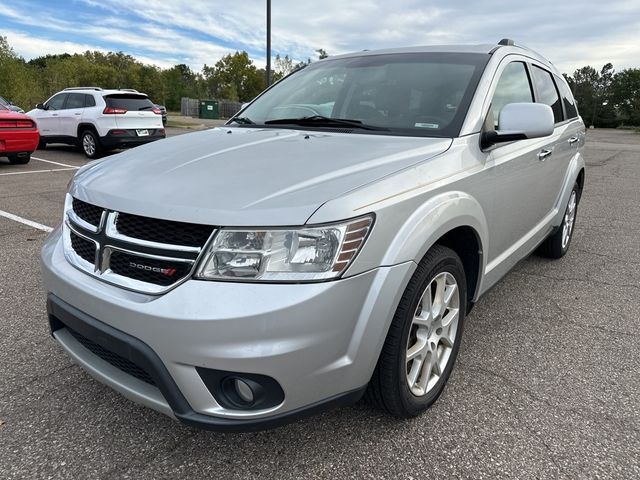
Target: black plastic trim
<point>62,314</point>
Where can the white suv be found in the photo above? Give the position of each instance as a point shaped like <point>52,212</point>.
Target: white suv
<point>97,119</point>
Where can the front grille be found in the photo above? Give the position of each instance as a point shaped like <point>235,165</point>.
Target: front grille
<point>87,212</point>
<point>85,249</point>
<point>158,272</point>
<point>121,363</point>
<point>163,231</point>
<point>139,253</point>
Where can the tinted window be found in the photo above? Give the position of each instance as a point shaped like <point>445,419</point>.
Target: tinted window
<point>75,100</point>
<point>513,87</point>
<point>547,92</point>
<point>128,102</point>
<point>416,94</point>
<point>89,101</point>
<point>567,99</point>
<point>56,102</point>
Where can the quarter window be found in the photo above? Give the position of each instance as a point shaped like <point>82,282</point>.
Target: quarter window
<point>56,102</point>
<point>547,92</point>
<point>567,99</point>
<point>513,87</point>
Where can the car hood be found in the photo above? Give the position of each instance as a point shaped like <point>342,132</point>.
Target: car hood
<point>246,176</point>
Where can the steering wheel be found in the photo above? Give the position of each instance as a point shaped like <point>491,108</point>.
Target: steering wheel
<point>304,108</point>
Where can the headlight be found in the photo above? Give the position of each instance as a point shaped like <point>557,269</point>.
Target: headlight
<point>284,254</point>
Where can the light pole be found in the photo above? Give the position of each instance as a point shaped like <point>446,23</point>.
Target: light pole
<point>268,42</point>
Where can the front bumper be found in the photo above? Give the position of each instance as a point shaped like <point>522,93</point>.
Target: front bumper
<point>319,341</point>
<point>122,138</point>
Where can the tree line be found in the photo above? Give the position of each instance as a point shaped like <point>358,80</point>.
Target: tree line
<point>605,98</point>
<point>234,77</point>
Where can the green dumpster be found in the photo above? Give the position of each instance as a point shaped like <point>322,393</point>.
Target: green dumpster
<point>209,109</point>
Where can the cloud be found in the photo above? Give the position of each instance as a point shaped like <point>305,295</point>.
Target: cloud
<point>198,31</point>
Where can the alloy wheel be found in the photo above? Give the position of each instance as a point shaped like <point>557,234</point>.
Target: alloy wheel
<point>432,334</point>
<point>88,144</point>
<point>569,220</point>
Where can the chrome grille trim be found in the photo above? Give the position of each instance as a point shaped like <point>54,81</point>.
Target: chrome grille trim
<point>107,240</point>
<point>112,231</point>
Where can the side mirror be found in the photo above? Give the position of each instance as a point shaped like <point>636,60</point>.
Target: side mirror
<point>521,121</point>
<point>40,106</point>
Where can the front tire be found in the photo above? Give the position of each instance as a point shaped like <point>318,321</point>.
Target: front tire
<point>21,159</point>
<point>557,244</point>
<point>424,337</point>
<point>90,144</point>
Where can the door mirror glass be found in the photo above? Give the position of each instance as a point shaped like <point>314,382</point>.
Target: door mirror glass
<point>40,106</point>
<point>521,121</point>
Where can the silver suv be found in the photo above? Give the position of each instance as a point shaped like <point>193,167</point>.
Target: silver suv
<point>327,243</point>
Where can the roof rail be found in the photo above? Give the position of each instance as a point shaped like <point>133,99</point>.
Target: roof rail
<point>506,42</point>
<point>128,90</point>
<point>83,88</point>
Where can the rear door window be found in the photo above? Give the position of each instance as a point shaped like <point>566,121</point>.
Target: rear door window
<point>56,102</point>
<point>513,87</point>
<point>128,102</point>
<point>569,103</point>
<point>75,100</point>
<point>547,92</point>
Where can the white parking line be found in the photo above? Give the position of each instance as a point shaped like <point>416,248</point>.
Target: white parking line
<point>38,171</point>
<point>55,163</point>
<point>16,218</point>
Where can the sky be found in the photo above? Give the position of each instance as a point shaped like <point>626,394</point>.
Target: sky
<point>196,32</point>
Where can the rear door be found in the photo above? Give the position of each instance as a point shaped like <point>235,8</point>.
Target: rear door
<point>555,165</point>
<point>48,120</point>
<point>71,114</point>
<point>133,111</point>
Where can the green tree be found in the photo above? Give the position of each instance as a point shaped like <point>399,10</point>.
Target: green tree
<point>234,77</point>
<point>626,95</point>
<point>322,53</point>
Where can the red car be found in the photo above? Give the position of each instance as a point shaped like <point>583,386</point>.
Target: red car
<point>19,136</point>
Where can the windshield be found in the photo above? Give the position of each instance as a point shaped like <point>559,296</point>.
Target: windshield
<point>3,104</point>
<point>417,94</point>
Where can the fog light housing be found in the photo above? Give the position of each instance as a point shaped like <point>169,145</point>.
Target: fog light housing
<point>242,391</point>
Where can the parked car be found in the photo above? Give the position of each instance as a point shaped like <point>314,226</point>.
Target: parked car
<point>10,105</point>
<point>163,112</point>
<point>98,120</point>
<point>326,244</point>
<point>18,135</point>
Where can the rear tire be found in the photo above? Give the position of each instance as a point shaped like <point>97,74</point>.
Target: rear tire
<point>557,244</point>
<point>424,337</point>
<point>90,144</point>
<point>20,159</point>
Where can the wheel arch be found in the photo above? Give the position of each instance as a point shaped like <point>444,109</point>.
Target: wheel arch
<point>454,220</point>
<point>86,126</point>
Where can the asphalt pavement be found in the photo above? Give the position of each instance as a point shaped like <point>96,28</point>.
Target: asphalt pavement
<point>547,383</point>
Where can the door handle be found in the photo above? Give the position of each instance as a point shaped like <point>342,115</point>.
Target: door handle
<point>77,113</point>
<point>573,140</point>
<point>543,154</point>
<point>54,114</point>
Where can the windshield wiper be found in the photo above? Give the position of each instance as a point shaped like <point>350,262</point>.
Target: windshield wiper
<point>322,121</point>
<point>243,120</point>
<point>146,107</point>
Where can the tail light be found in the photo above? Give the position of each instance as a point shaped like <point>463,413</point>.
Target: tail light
<point>114,111</point>
<point>16,124</point>
<point>157,111</point>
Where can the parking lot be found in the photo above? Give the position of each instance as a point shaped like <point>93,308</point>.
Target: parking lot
<point>547,384</point>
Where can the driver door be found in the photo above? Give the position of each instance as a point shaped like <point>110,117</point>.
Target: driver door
<point>48,120</point>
